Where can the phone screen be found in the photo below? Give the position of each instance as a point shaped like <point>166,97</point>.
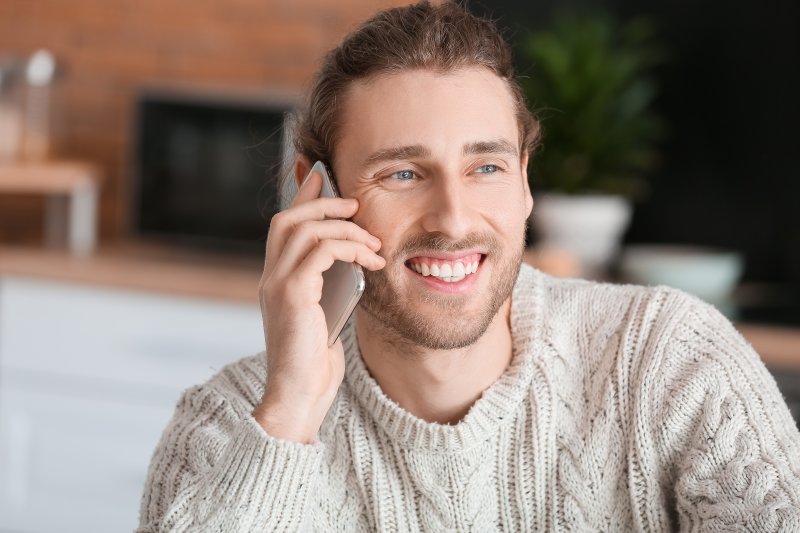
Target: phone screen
<point>343,283</point>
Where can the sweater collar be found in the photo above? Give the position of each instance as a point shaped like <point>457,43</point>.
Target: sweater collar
<point>495,407</point>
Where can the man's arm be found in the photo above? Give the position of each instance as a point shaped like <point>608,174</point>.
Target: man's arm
<point>216,469</point>
<point>726,432</point>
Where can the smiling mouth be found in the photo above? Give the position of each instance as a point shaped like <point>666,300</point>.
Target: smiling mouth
<point>447,270</point>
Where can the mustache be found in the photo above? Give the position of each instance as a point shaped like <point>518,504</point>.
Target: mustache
<point>428,242</point>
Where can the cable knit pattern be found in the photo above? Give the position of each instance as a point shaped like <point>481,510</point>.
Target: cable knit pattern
<point>623,408</point>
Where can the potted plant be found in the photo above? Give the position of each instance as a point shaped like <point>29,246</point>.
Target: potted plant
<point>590,84</point>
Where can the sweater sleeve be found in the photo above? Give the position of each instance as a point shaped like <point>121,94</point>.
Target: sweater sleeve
<point>726,432</point>
<point>216,469</point>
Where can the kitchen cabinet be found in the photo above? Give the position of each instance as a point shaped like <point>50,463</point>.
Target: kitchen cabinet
<point>89,377</point>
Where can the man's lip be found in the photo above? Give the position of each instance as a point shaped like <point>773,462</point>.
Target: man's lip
<point>447,256</point>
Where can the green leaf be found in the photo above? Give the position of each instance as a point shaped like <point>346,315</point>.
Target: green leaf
<point>590,84</point>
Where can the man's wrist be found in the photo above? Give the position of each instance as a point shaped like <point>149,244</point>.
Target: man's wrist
<point>279,423</point>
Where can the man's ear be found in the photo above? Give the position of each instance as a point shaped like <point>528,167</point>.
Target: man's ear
<point>526,186</point>
<point>302,166</point>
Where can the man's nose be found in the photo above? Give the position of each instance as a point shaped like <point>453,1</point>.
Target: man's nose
<point>448,209</point>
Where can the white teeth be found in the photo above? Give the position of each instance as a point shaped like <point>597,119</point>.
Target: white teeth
<point>446,271</point>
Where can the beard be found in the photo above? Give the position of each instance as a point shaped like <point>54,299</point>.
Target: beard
<point>445,324</point>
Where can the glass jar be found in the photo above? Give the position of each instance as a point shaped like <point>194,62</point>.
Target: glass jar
<point>39,74</point>
<point>12,116</point>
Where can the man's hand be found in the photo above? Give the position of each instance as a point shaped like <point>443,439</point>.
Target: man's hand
<point>303,373</point>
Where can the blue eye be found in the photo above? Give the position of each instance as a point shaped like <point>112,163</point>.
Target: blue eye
<point>403,175</point>
<point>489,169</point>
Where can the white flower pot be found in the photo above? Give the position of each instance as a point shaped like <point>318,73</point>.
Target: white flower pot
<point>589,226</point>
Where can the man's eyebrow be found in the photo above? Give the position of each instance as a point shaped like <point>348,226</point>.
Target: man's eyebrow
<point>395,153</point>
<point>494,146</point>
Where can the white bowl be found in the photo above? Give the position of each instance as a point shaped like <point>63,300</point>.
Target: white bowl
<point>708,273</point>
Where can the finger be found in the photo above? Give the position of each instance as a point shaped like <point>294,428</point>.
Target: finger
<point>302,286</point>
<point>321,257</point>
<point>284,223</point>
<point>308,234</point>
<point>309,189</point>
<point>307,276</point>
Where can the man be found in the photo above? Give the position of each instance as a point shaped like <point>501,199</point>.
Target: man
<point>467,392</point>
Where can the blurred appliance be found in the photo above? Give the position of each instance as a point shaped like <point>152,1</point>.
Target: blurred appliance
<point>206,167</point>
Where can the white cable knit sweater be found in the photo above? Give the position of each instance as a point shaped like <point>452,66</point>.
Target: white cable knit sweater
<point>624,408</point>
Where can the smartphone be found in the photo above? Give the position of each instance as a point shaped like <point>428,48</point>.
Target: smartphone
<point>343,283</point>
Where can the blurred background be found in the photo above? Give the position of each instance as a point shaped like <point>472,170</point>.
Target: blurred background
<point>141,142</point>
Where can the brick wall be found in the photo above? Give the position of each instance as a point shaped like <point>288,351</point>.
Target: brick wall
<point>110,48</point>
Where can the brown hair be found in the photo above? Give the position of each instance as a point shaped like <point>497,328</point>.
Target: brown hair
<point>442,38</point>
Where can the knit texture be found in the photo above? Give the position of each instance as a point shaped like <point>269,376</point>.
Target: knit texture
<point>624,408</point>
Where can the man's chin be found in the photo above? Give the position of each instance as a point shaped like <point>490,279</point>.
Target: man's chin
<point>430,328</point>
<point>429,320</point>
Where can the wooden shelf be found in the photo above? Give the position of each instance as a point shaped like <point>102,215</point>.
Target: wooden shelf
<point>47,177</point>
<point>778,346</point>
<point>71,189</point>
<point>137,266</point>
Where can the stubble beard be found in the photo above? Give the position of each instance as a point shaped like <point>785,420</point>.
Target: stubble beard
<point>448,326</point>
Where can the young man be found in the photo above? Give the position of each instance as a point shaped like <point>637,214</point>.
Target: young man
<point>467,392</point>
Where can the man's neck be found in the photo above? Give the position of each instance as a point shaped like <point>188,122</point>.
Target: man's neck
<point>436,385</point>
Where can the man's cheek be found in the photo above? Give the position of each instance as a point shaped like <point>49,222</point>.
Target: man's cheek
<point>373,224</point>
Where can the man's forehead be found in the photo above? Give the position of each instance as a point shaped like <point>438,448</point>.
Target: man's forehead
<point>413,83</point>
<point>413,112</point>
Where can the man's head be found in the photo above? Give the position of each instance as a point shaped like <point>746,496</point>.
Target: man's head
<point>419,116</point>
<point>441,38</point>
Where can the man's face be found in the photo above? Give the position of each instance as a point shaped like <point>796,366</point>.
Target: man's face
<point>434,161</point>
